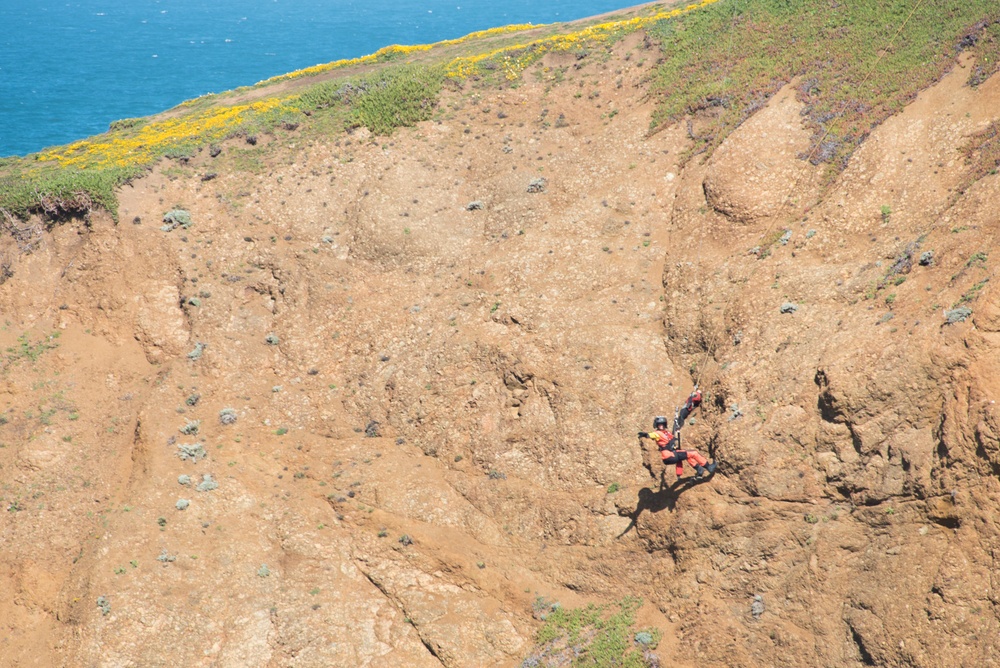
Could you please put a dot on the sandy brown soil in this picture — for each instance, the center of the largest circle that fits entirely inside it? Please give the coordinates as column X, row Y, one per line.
column 473, row 380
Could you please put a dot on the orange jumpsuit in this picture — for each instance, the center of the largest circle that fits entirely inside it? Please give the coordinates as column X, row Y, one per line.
column 666, row 441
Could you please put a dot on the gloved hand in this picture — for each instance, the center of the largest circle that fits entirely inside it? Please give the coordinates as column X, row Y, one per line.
column 643, row 434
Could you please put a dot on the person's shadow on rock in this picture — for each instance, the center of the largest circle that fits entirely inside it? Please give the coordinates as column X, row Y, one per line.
column 665, row 498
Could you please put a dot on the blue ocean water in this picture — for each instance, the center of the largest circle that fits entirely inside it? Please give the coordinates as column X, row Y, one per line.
column 67, row 69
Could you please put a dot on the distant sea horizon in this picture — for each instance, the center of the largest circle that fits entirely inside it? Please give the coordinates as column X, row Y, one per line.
column 69, row 68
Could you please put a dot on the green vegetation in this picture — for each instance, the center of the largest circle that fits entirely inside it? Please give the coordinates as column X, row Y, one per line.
column 75, row 179
column 27, row 350
column 593, row 637
column 722, row 64
column 971, row 294
column 977, row 259
column 59, row 192
column 398, row 97
column 126, row 124
column 982, row 152
column 767, row 242
column 721, row 61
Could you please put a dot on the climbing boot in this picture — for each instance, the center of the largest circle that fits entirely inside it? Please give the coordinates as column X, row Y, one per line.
column 711, row 468
column 700, row 472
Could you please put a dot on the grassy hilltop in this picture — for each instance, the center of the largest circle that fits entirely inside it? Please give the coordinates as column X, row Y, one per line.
column 720, row 60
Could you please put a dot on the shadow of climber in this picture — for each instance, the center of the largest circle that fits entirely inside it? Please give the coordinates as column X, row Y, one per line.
column 665, row 498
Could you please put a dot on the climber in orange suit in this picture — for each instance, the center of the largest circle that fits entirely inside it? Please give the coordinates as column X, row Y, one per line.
column 668, row 442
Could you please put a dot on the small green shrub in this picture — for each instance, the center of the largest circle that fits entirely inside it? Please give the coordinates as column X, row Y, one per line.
column 176, row 218
column 191, row 427
column 971, row 294
column 126, row 124
column 193, row 451
column 593, row 636
column 977, row 259
column 207, row 483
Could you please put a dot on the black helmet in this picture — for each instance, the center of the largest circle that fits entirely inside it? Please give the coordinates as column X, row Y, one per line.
column 659, row 422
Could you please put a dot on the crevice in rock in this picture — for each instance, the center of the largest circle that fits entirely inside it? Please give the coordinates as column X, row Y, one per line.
column 399, row 605
column 947, row 522
column 985, row 456
column 826, row 403
column 855, row 438
column 859, row 642
column 430, row 648
column 140, row 454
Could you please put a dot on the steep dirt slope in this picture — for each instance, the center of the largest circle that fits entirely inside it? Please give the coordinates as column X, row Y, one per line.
column 433, row 399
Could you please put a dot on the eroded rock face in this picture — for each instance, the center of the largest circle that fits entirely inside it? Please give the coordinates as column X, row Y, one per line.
column 749, row 178
column 864, row 407
column 437, row 412
column 161, row 327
